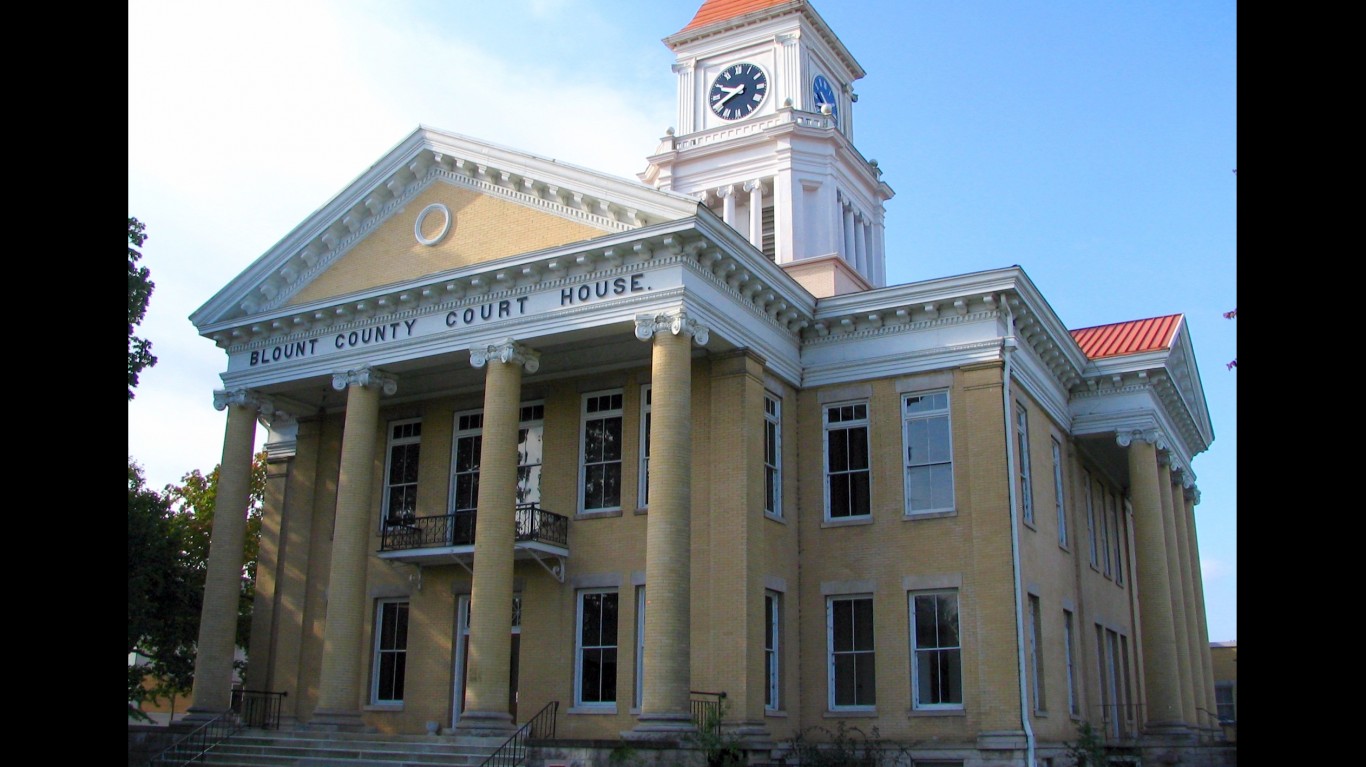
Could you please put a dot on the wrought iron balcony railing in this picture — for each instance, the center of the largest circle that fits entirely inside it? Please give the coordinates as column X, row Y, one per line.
column 533, row 524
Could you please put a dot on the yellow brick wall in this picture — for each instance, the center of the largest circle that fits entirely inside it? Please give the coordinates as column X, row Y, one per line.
column 483, row 228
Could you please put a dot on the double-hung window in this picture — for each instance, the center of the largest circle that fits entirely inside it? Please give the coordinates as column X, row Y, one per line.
column 929, row 452
column 1226, row 702
column 1116, row 520
column 646, row 397
column 466, row 451
column 846, row 461
column 597, row 648
column 1026, row 484
column 1088, row 494
column 852, row 679
column 600, row 461
column 1036, row 653
column 1106, row 512
column 772, row 648
column 391, row 652
column 936, row 651
column 400, row 471
column 1058, row 493
column 773, row 451
column 1068, row 648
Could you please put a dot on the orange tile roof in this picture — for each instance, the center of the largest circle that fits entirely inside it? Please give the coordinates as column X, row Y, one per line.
column 713, row 11
column 1131, row 337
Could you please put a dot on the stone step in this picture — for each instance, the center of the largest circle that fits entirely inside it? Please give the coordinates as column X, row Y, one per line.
column 303, row 748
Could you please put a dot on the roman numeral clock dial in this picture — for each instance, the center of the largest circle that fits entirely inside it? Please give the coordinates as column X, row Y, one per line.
column 737, row 91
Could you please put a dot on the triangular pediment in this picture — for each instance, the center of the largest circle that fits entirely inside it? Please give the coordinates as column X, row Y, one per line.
column 436, row 202
column 446, row 226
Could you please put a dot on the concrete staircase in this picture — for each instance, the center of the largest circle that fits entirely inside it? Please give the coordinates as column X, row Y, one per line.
column 305, row 748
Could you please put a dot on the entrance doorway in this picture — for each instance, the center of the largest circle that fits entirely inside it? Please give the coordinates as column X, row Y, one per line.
column 462, row 655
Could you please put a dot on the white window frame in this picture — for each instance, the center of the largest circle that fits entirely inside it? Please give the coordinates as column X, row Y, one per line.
column 646, row 398
column 1106, row 508
column 773, row 648
column 1226, row 700
column 413, row 437
column 869, row 653
column 851, row 422
column 580, row 649
column 585, row 418
column 916, row 650
column 1069, row 660
column 1058, row 496
column 927, row 417
column 1026, row 480
column 1036, row 662
column 640, row 647
column 401, row 612
column 1116, row 524
column 469, row 424
column 1089, row 494
column 773, row 455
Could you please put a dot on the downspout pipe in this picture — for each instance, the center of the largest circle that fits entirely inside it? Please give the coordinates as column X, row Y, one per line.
column 1008, row 345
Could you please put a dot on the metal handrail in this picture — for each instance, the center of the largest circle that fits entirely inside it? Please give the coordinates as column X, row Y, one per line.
column 533, row 523
column 248, row 708
column 514, row 749
column 191, row 747
column 707, row 713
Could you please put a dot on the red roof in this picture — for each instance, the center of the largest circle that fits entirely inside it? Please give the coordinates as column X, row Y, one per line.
column 713, row 11
column 1131, row 337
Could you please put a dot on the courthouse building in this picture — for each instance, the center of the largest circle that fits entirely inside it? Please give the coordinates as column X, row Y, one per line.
column 539, row 435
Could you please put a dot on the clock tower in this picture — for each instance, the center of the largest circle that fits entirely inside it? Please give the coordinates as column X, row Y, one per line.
column 765, row 139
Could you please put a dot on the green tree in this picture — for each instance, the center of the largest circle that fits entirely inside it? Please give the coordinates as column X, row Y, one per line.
column 140, row 287
column 164, row 598
column 168, row 555
column 194, row 501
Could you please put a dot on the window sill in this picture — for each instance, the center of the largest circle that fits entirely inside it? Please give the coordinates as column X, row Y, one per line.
column 866, row 519
column 914, row 515
column 642, row 511
column 1040, row 714
column 938, row 712
column 775, row 713
column 594, row 710
column 855, row 713
column 393, row 707
column 597, row 514
column 780, row 520
column 1030, row 525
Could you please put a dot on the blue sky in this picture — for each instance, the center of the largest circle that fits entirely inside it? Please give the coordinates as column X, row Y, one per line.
column 1091, row 143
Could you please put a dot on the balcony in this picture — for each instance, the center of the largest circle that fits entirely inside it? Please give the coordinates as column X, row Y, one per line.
column 444, row 539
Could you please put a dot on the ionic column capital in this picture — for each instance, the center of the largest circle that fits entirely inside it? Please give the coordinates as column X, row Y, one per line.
column 647, row 325
column 507, row 351
column 222, row 398
column 1151, row 436
column 367, row 376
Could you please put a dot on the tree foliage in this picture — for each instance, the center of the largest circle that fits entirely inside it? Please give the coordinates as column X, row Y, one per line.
column 164, row 598
column 168, row 555
column 140, row 287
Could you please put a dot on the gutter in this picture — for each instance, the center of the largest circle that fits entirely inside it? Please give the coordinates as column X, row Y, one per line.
column 1008, row 345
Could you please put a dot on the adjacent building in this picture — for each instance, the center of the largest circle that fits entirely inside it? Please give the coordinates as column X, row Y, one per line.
column 541, row 435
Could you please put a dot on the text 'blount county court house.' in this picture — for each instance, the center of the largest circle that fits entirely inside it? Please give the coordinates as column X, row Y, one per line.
column 542, row 435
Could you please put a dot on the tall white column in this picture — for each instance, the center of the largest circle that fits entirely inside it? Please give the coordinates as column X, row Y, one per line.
column 487, row 693
column 223, row 577
column 665, row 711
column 339, row 689
column 727, row 195
column 756, row 212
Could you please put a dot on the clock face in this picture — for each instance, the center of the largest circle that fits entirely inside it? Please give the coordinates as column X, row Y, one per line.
column 825, row 94
column 737, row 91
